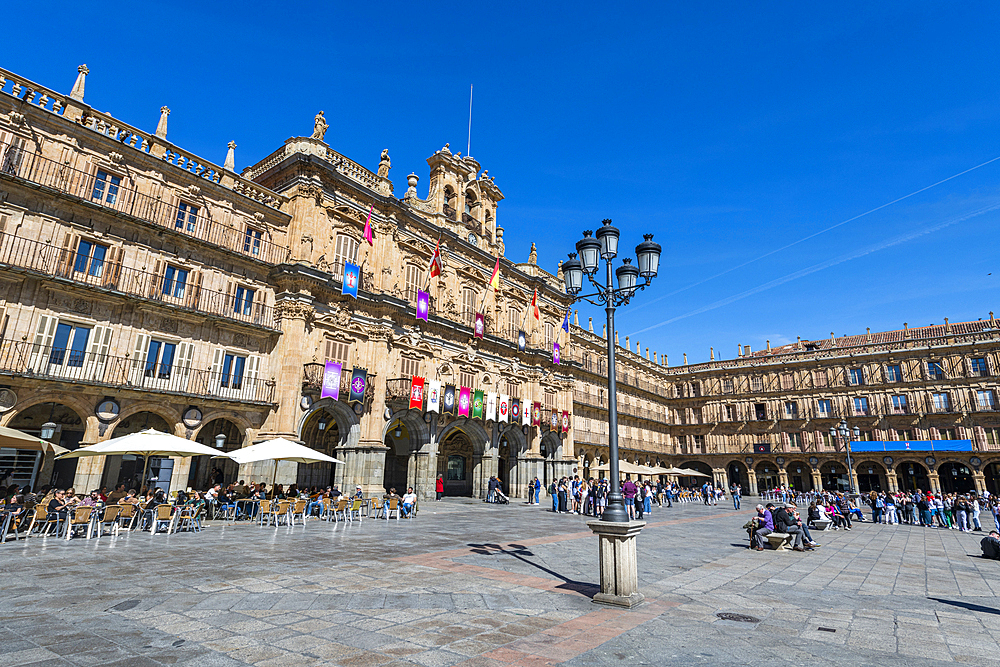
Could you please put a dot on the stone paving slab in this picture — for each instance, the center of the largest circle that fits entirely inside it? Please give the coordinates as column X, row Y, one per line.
column 480, row 585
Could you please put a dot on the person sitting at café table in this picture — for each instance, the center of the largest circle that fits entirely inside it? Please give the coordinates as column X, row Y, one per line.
column 409, row 501
column 316, row 500
column 392, row 495
column 58, row 507
column 358, row 493
column 115, row 496
column 72, row 500
column 278, row 492
column 93, row 499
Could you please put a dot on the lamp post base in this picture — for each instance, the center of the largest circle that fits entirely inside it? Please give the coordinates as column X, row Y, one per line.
column 619, row 572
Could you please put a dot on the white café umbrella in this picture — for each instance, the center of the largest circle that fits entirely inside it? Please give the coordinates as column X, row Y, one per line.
column 11, row 438
column 146, row 444
column 279, row 449
column 687, row 472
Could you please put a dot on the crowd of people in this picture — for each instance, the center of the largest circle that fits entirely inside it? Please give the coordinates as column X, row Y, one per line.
column 590, row 496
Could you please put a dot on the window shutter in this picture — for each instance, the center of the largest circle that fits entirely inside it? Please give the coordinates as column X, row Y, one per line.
column 113, row 266
column 194, row 292
column 139, row 357
column 185, row 355
column 156, row 286
column 42, row 344
column 4, row 219
column 97, row 353
column 250, row 377
column 67, row 256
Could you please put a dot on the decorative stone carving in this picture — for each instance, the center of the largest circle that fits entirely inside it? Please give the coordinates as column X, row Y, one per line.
column 258, row 216
column 319, row 126
column 115, row 158
column 194, row 190
column 169, row 325
column 533, row 255
column 292, row 310
column 314, row 191
column 81, row 306
column 385, row 164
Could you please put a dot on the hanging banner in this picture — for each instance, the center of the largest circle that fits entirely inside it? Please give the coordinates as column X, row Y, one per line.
column 554, row 421
column 515, row 411
column 331, row 380
column 536, row 414
column 423, row 305
column 464, row 401
column 416, row 393
column 359, row 382
column 565, row 422
column 526, row 413
column 448, row 399
column 503, row 409
column 352, row 276
column 491, row 407
column 433, row 396
column 480, row 328
column 477, row 404
column 556, row 358
column 522, row 341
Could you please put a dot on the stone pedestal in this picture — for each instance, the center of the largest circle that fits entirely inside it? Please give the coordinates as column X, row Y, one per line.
column 619, row 574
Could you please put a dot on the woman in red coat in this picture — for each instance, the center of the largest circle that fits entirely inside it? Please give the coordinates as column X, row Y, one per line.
column 439, row 487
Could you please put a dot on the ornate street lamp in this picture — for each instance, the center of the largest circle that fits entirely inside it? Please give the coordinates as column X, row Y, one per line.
column 220, row 441
column 619, row 582
column 844, row 431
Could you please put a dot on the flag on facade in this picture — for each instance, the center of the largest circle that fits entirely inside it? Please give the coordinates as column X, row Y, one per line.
column 565, row 422
column 464, row 401
column 554, row 421
column 477, row 404
column 495, row 278
column 491, row 407
column 433, row 396
column 480, row 328
column 352, row 276
column 416, row 393
column 503, row 409
column 436, row 266
column 448, row 400
column 522, row 341
column 556, row 357
column 515, row 411
column 369, row 236
column 423, row 305
column 534, row 304
column 331, row 380
column 359, row 382
column 565, row 324
column 526, row 413
column 536, row 414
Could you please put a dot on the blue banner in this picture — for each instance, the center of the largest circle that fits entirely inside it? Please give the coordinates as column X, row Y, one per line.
column 352, row 275
column 912, row 446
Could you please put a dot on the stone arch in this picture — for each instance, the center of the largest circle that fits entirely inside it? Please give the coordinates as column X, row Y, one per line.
column 168, row 413
column 991, row 474
column 799, row 475
column 912, row 475
column 200, row 467
column 834, row 476
column 417, row 436
column 477, row 435
column 737, row 473
column 956, row 477
column 464, row 458
column 348, row 426
column 82, row 408
column 72, row 430
column 242, row 422
column 871, row 476
column 766, row 473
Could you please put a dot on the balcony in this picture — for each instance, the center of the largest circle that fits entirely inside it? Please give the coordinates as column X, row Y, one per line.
column 23, row 359
column 46, row 260
column 397, row 389
column 450, row 213
column 83, row 186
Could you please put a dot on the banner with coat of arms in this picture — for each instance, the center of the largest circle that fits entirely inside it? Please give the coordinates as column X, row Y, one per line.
column 416, row 393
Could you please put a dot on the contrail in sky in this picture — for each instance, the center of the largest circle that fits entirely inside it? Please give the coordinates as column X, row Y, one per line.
column 822, row 231
column 823, row 265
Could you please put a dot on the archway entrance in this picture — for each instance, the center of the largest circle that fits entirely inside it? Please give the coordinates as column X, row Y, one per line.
column 206, row 471
column 322, row 433
column 767, row 476
column 127, row 469
column 397, row 457
column 695, row 481
column 912, row 476
column 871, row 477
column 834, row 476
column 992, row 474
column 457, row 463
column 956, row 478
column 69, row 432
column 737, row 474
column 799, row 476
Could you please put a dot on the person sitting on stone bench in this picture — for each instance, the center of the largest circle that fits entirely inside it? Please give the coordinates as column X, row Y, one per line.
column 991, row 545
column 785, row 521
column 760, row 527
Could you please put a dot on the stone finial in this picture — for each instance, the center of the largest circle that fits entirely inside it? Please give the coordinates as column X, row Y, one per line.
column 385, row 164
column 685, row 358
column 604, row 331
column 906, row 330
column 768, row 344
column 666, row 360
column 616, row 337
column 533, row 254
column 627, row 346
column 411, row 189
column 647, row 353
column 576, row 318
column 947, row 326
column 833, row 339
column 81, row 83
column 590, row 324
column 711, row 354
column 161, row 127
column 739, row 350
column 230, row 164
column 991, row 318
column 798, row 342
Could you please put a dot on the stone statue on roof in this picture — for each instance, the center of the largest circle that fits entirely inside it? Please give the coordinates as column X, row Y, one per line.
column 533, row 255
column 385, row 164
column 319, row 126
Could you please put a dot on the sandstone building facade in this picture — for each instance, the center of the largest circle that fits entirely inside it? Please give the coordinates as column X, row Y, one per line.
column 144, row 286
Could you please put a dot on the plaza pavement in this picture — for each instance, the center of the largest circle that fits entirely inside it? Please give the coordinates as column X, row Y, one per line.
column 496, row 586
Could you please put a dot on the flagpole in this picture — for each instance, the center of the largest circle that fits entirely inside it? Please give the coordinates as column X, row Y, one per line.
column 468, row 148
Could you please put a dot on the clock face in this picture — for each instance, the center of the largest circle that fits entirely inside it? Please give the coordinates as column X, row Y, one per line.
column 192, row 417
column 472, row 239
column 107, row 410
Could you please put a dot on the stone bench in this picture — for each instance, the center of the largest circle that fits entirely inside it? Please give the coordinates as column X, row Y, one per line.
column 779, row 541
column 822, row 524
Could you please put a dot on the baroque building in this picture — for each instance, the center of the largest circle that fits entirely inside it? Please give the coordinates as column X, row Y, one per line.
column 143, row 286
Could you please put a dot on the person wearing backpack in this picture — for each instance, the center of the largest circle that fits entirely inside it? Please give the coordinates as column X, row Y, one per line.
column 555, row 498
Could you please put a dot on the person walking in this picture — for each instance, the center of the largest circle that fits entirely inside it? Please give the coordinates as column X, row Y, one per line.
column 439, row 487
column 536, row 489
column 736, row 497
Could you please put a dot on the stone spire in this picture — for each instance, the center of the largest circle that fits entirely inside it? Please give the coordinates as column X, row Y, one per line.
column 740, row 350
column 230, row 157
column 711, row 354
column 665, row 359
column 590, row 324
column 576, row 318
column 616, row 337
column 604, row 331
column 533, row 255
column 647, row 353
column 768, row 344
column 161, row 127
column 81, row 83
column 627, row 346
column 685, row 358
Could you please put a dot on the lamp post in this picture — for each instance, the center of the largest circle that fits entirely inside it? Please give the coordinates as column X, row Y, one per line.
column 844, row 431
column 619, row 580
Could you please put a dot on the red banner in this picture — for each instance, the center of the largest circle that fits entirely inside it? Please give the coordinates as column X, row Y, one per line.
column 565, row 422
column 536, row 414
column 417, row 393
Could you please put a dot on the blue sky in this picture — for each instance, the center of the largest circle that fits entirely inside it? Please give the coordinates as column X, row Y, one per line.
column 728, row 130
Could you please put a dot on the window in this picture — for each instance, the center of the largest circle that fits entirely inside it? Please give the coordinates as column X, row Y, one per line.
column 90, row 258
column 824, row 407
column 791, row 410
column 795, row 440
column 826, row 439
column 941, row 403
column 252, row 241
column 414, row 281
column 857, row 376
column 787, row 381
column 730, row 413
column 756, row 384
column 904, row 434
column 513, row 323
column 187, row 217
column 760, row 411
column 893, row 373
column 946, row 434
column 456, row 468
column 549, row 401
column 979, row 367
column 233, row 366
column 695, row 389
column 466, row 379
column 934, row 370
column 861, row 405
column 699, row 443
column 243, row 300
column 409, row 367
column 992, row 435
column 106, row 187
column 69, row 345
column 865, row 436
column 985, row 399
column 820, row 378
column 728, row 386
column 337, row 351
column 174, row 281
column 345, row 251
column 513, row 389
column 899, row 405
column 468, row 306
column 550, row 337
column 160, row 359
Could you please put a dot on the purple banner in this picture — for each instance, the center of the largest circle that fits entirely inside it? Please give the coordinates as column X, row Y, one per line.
column 331, row 380
column 423, row 305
